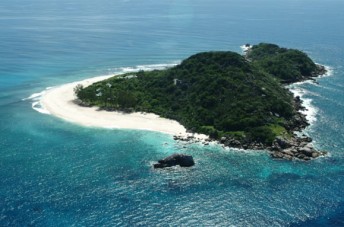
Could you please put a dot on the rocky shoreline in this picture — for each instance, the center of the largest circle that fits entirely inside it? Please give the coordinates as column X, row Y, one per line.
column 293, row 148
column 288, row 147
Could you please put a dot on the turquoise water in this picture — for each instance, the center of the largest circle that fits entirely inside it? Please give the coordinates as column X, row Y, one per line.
column 54, row 173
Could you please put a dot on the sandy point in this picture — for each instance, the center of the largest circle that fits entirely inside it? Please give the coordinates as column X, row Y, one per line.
column 60, row 102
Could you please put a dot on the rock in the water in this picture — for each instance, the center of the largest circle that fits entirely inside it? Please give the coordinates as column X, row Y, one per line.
column 175, row 159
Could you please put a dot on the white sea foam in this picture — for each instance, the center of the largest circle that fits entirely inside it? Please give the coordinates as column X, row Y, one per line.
column 245, row 48
column 310, row 110
column 145, row 67
column 38, row 107
column 329, row 71
column 35, row 98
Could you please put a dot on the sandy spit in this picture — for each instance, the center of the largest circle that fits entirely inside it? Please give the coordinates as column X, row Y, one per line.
column 60, row 102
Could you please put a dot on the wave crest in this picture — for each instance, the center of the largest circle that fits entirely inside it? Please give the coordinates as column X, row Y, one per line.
column 35, row 99
column 310, row 110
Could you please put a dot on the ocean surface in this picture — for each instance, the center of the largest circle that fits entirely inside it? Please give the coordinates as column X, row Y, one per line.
column 55, row 173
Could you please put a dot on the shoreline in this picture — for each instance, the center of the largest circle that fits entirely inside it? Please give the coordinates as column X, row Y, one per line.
column 60, row 102
column 300, row 145
column 309, row 110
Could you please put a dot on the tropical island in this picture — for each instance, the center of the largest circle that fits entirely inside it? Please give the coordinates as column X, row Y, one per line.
column 239, row 100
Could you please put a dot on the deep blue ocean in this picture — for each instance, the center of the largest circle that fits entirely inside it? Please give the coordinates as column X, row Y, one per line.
column 55, row 173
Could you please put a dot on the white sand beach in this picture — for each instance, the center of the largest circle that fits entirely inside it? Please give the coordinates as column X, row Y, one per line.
column 59, row 101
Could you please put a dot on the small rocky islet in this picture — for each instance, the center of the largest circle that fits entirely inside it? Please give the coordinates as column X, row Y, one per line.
column 240, row 101
column 182, row 160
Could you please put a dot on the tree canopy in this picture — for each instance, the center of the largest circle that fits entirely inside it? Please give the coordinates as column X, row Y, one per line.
column 219, row 93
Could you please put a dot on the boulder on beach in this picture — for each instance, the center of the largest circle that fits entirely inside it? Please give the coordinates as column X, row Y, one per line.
column 175, row 159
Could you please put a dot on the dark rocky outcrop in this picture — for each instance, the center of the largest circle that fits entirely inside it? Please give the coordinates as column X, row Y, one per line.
column 235, row 143
column 321, row 70
column 175, row 159
column 295, row 148
column 291, row 148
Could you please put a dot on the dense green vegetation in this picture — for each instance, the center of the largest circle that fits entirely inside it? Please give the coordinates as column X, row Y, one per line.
column 288, row 65
column 217, row 93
